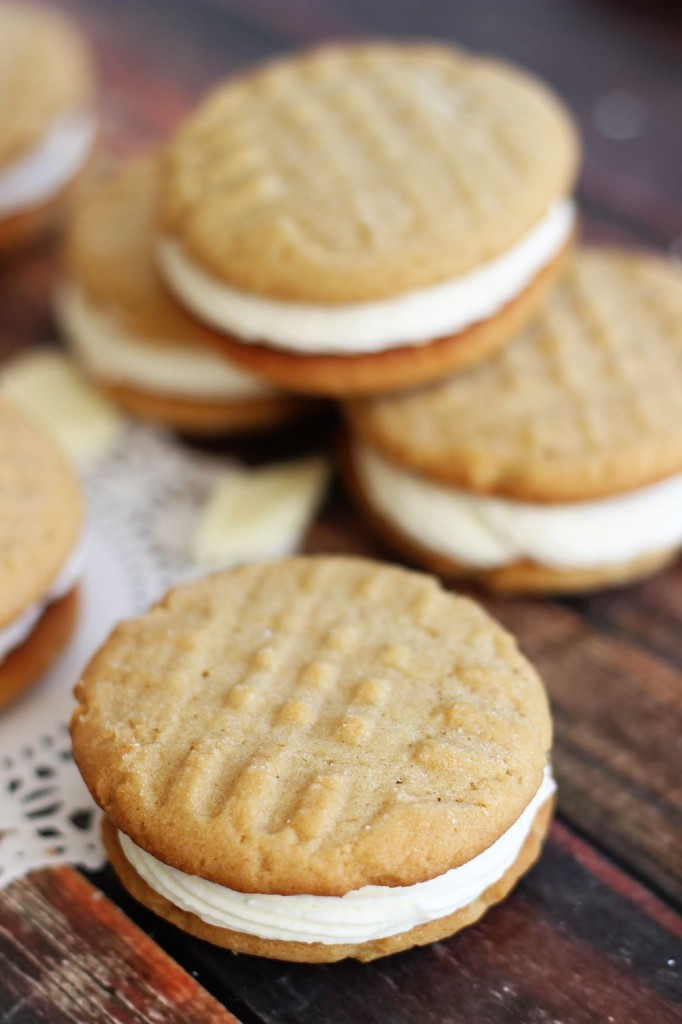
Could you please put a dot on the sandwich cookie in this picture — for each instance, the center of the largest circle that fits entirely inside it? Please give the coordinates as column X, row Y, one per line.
column 368, row 217
column 41, row 552
column 557, row 465
column 129, row 335
column 49, row 123
column 316, row 758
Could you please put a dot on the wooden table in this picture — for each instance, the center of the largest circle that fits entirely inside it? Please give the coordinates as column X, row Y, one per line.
column 594, row 934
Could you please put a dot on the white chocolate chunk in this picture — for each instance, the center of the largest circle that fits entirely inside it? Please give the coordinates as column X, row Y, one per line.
column 46, row 386
column 255, row 514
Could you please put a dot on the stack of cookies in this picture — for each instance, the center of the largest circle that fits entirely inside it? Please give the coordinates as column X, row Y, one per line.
column 366, row 218
column 131, row 337
column 354, row 220
column 49, row 122
column 557, row 464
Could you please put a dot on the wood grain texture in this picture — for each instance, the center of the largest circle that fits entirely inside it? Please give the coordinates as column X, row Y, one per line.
column 69, row 955
column 581, row 941
column 618, row 722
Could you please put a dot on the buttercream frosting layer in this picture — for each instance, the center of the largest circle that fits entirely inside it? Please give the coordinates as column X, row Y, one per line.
column 39, row 174
column 413, row 318
column 486, row 533
column 111, row 352
column 372, row 912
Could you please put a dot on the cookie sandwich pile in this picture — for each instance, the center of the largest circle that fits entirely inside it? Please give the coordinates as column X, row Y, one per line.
column 42, row 552
column 557, row 465
column 316, row 758
column 131, row 338
column 49, row 120
column 364, row 218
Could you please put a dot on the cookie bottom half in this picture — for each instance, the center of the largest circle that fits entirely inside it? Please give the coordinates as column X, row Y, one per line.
column 203, row 418
column 397, row 368
column 26, row 663
column 522, row 577
column 20, row 231
column 317, row 952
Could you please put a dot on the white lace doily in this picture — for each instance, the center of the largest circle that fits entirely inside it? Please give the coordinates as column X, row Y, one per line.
column 143, row 499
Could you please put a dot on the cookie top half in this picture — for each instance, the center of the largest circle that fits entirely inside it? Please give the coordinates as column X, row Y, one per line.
column 109, row 255
column 45, row 71
column 312, row 726
column 41, row 513
column 585, row 403
column 358, row 172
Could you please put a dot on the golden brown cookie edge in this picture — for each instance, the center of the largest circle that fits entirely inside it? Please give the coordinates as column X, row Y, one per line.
column 26, row 663
column 339, row 376
column 211, row 417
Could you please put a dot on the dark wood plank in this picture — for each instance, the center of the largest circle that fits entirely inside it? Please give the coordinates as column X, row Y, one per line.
column 618, row 721
column 650, row 614
column 579, row 942
column 69, row 955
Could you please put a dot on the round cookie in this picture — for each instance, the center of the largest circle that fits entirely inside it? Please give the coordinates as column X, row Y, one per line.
column 49, row 122
column 384, row 254
column 301, row 730
column 557, row 465
column 131, row 337
column 41, row 551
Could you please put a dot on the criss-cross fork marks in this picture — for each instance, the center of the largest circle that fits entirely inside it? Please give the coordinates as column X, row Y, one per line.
column 586, row 395
column 372, row 160
column 305, row 700
column 604, row 350
column 394, row 119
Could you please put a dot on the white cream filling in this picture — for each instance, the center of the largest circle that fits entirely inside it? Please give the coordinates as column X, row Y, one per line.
column 488, row 532
column 14, row 634
column 56, row 159
column 372, row 912
column 414, row 318
column 116, row 355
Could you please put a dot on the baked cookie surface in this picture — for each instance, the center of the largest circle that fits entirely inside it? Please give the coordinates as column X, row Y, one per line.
column 585, row 403
column 45, row 71
column 331, row 177
column 41, row 513
column 132, row 338
column 312, row 726
column 109, row 255
column 49, row 120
